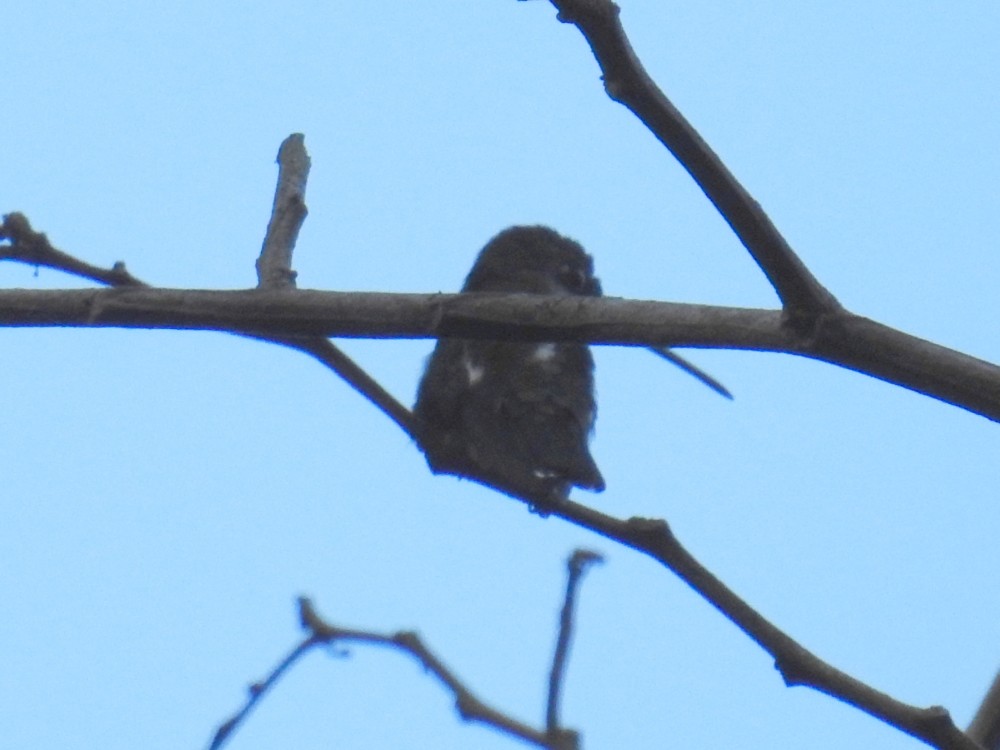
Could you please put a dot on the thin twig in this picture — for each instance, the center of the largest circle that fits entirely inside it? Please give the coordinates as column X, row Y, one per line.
column 257, row 691
column 577, row 564
column 34, row 249
column 334, row 357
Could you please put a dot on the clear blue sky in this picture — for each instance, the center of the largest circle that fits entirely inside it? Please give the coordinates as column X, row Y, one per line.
column 165, row 496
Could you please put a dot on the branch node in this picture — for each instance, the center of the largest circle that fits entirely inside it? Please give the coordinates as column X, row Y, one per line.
column 469, row 707
column 563, row 739
column 309, row 619
column 790, row 671
column 408, row 639
column 650, row 532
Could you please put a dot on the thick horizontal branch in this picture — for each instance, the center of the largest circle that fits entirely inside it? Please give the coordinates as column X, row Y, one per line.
column 382, row 315
column 842, row 338
column 866, row 346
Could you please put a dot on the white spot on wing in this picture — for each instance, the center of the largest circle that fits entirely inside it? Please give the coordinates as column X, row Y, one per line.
column 474, row 371
column 544, row 352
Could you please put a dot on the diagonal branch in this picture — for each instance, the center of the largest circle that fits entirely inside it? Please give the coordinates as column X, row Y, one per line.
column 797, row 665
column 34, row 249
column 627, row 82
column 327, row 353
column 258, row 690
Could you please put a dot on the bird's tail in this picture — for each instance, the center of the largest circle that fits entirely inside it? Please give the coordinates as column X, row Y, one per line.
column 689, row 368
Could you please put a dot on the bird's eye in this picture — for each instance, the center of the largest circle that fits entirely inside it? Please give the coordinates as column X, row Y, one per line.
column 573, row 278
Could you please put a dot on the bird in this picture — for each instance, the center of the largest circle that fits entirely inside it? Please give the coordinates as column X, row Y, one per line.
column 515, row 415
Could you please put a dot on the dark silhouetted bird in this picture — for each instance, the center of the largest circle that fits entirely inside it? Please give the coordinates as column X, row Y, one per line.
column 515, row 415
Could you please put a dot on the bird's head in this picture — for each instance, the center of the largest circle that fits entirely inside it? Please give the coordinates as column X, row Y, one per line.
column 536, row 260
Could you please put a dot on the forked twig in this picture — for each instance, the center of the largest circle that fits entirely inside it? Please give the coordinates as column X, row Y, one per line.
column 319, row 632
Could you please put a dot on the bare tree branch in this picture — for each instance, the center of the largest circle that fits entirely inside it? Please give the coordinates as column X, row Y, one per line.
column 25, row 245
column 627, row 82
column 577, row 564
column 470, row 708
column 274, row 266
column 258, row 690
column 274, row 272
column 811, row 324
column 797, row 665
column 848, row 340
column 835, row 335
column 334, row 357
column 861, row 344
column 33, row 248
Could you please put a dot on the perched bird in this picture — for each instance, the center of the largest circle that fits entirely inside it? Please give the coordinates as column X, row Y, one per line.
column 515, row 415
